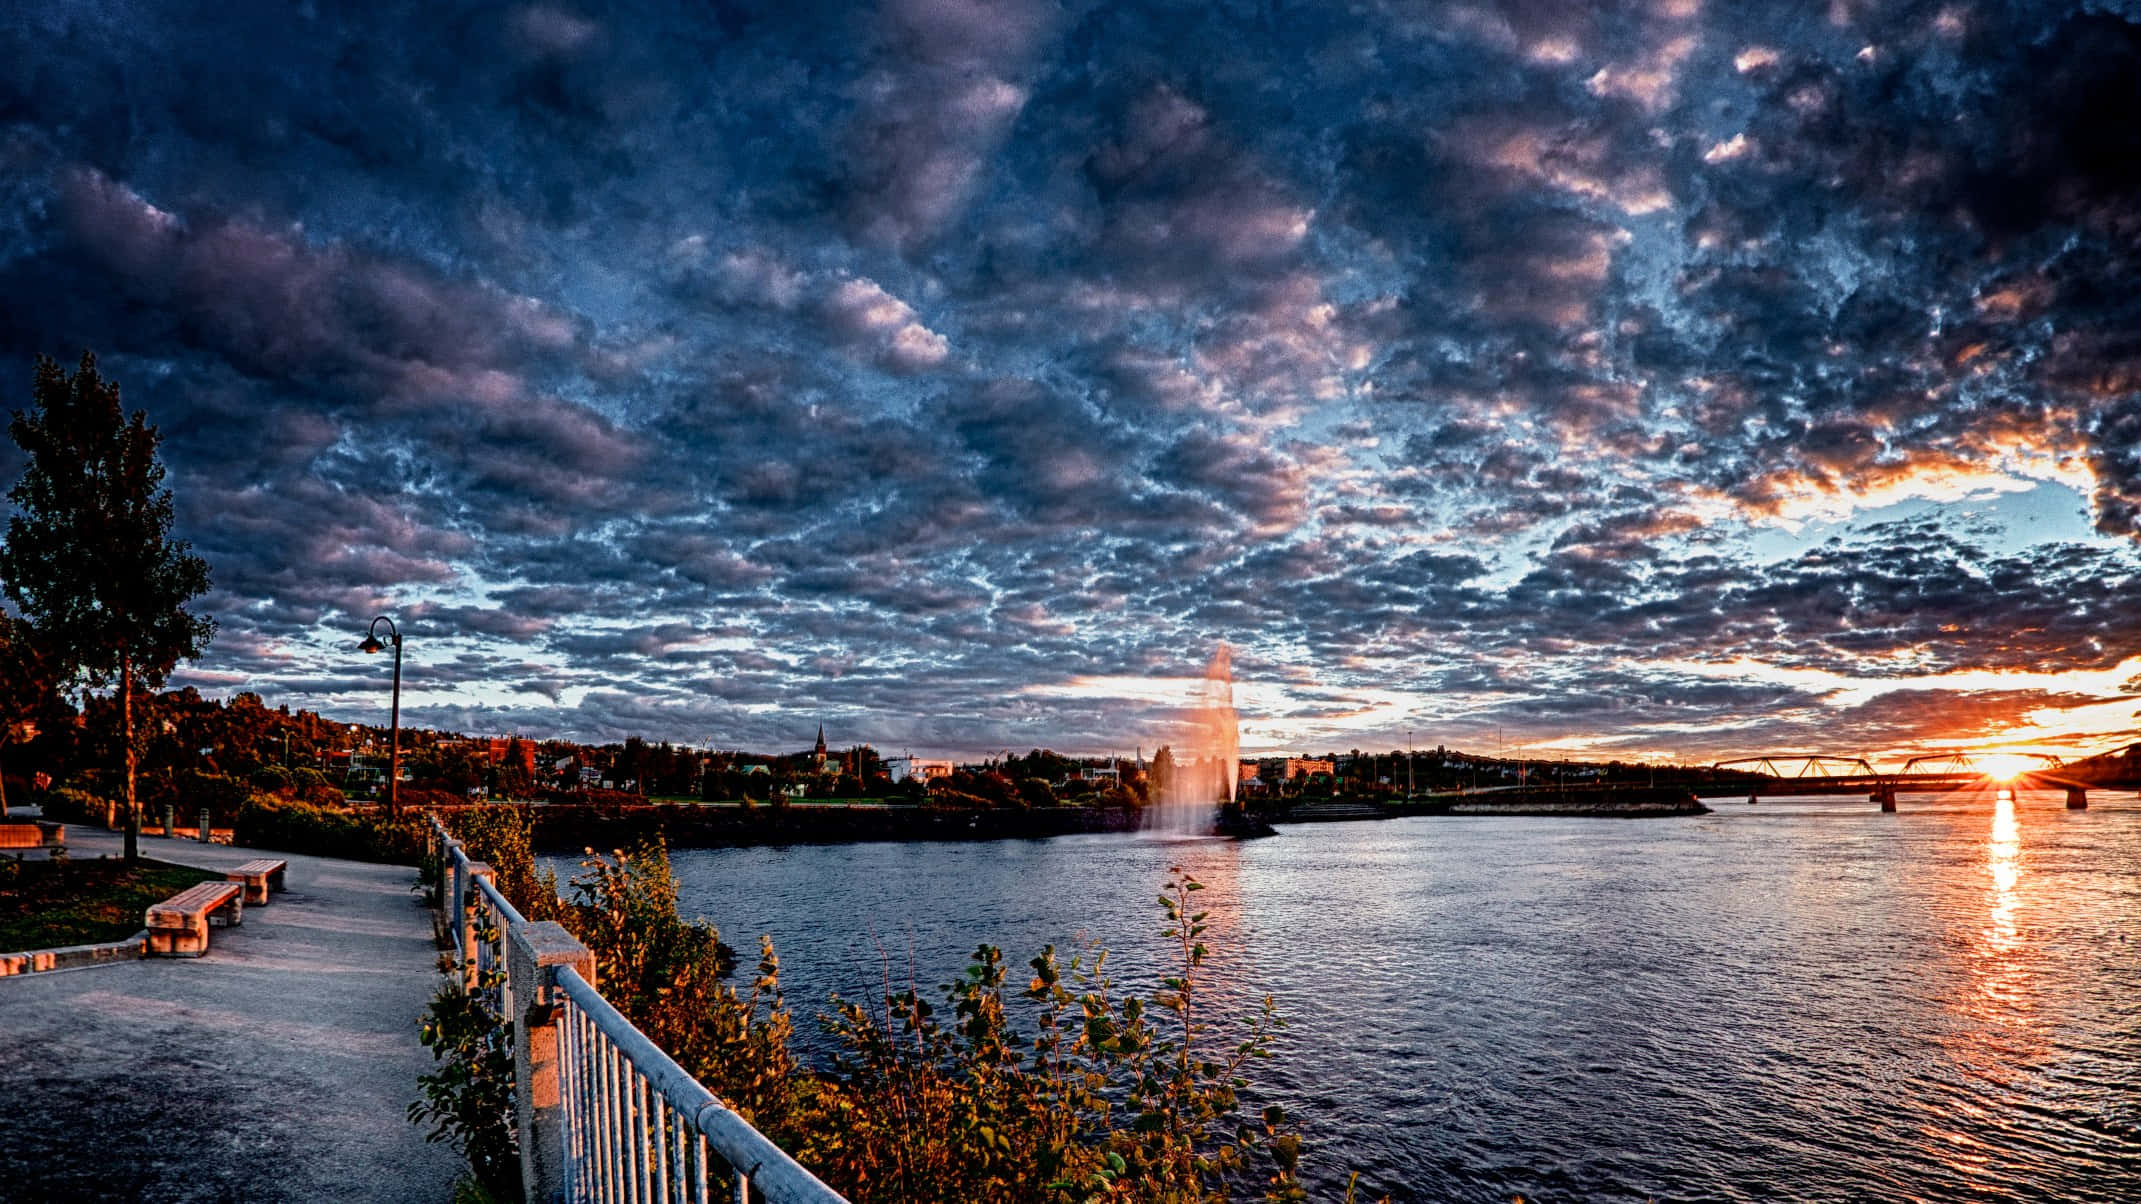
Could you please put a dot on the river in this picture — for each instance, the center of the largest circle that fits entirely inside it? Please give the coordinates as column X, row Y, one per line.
column 1801, row 999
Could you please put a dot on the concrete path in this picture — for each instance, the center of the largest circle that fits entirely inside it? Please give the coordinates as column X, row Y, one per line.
column 279, row 1067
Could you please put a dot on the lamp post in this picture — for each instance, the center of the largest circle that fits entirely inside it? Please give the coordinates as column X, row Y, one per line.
column 372, row 644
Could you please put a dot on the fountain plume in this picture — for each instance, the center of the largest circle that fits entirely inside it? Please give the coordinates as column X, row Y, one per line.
column 1189, row 786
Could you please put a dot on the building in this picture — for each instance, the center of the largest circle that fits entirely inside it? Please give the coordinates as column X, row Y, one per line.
column 1286, row 769
column 913, row 768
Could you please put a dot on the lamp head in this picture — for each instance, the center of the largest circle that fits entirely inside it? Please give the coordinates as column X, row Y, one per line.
column 371, row 644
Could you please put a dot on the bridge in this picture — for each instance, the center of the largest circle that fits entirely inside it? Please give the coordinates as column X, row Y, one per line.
column 1787, row 774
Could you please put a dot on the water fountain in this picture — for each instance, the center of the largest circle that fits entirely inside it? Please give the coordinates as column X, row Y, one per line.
column 1193, row 790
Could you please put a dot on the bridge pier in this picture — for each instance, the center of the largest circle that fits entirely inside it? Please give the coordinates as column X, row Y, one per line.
column 1884, row 795
column 2077, row 799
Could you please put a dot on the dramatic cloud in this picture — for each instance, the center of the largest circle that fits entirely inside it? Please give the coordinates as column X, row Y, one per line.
column 1634, row 378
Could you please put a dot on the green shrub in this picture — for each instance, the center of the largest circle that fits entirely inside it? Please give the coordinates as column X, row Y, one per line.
column 191, row 790
column 1115, row 1098
column 76, row 806
column 1106, row 1097
column 271, row 821
column 468, row 1100
column 313, row 786
column 503, row 837
column 272, row 778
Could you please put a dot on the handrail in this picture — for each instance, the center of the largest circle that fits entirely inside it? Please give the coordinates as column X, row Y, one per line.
column 636, row 1125
column 497, row 901
column 767, row 1167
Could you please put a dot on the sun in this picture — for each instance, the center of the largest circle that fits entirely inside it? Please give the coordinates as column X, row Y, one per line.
column 2004, row 767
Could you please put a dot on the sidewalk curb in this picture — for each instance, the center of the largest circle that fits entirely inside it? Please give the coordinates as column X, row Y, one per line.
column 73, row 957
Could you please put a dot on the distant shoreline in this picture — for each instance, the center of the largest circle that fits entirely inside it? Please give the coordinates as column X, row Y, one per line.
column 566, row 827
column 1623, row 802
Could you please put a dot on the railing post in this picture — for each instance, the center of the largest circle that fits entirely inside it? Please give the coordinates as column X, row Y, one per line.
column 533, row 950
column 465, row 887
column 454, row 879
column 436, row 844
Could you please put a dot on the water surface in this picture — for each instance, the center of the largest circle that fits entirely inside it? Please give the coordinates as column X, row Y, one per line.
column 1802, row 999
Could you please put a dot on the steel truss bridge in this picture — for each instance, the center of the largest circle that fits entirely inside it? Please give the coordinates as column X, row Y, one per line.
column 1785, row 774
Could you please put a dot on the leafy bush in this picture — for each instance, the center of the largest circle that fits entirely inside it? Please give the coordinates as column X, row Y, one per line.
column 190, row 790
column 924, row 1112
column 273, row 822
column 665, row 973
column 272, row 778
column 503, row 837
column 1107, row 1097
column 76, row 806
column 469, row 1098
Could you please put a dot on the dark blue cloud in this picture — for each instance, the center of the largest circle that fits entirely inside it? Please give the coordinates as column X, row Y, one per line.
column 1615, row 374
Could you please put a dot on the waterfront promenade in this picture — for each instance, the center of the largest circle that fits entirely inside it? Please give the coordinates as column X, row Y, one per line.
column 279, row 1067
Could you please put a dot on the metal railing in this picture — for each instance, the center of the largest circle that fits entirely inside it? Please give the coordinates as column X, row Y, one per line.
column 638, row 1128
column 622, row 1122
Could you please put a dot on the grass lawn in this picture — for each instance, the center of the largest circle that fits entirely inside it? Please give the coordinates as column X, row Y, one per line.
column 47, row 904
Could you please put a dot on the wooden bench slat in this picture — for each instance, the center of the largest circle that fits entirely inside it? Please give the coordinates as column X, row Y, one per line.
column 260, row 876
column 178, row 926
column 202, row 896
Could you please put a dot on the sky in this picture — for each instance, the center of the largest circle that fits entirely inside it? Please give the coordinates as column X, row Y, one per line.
column 1619, row 380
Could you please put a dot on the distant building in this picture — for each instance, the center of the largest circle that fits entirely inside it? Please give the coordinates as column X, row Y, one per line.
column 1096, row 771
column 912, row 768
column 1286, row 769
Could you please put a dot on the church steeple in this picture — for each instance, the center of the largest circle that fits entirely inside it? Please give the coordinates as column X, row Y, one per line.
column 820, row 750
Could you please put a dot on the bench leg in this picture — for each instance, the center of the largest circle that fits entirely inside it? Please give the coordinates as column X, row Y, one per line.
column 190, row 941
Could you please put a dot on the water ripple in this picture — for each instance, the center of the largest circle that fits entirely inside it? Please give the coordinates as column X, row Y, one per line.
column 1808, row 1000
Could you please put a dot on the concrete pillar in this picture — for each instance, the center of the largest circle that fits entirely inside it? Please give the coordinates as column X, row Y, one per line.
column 442, row 890
column 2077, row 799
column 533, row 951
column 170, row 821
column 1886, row 796
column 204, row 825
column 465, row 918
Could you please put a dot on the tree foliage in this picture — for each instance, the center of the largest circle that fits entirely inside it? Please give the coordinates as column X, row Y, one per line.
column 89, row 556
column 26, row 686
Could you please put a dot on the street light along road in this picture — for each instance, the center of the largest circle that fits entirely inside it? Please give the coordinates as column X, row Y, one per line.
column 370, row 645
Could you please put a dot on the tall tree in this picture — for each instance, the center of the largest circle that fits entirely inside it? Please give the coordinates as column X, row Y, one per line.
column 25, row 687
column 89, row 556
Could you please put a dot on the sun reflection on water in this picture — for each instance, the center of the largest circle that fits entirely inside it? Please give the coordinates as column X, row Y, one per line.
column 2003, row 857
column 2005, row 956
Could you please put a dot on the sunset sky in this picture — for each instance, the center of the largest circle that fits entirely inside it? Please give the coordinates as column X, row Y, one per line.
column 1668, row 379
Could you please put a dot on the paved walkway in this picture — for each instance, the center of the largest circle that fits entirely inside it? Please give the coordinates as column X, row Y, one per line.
column 279, row 1067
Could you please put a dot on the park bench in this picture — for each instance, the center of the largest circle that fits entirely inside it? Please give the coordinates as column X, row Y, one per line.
column 178, row 926
column 259, row 876
column 38, row 835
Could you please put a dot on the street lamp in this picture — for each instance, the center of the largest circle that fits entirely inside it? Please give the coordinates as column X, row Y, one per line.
column 372, row 644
